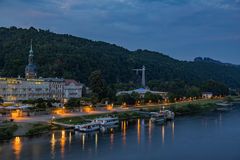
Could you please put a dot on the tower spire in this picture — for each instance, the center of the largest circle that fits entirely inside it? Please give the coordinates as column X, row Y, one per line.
column 30, row 70
column 31, row 50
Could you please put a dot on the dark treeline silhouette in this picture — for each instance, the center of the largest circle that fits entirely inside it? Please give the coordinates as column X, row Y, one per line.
column 62, row 55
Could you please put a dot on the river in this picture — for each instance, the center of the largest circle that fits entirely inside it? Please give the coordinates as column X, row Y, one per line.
column 203, row 137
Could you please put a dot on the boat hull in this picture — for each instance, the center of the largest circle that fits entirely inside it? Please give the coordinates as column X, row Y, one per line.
column 87, row 127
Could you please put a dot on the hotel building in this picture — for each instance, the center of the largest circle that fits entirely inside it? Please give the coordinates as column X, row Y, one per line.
column 31, row 87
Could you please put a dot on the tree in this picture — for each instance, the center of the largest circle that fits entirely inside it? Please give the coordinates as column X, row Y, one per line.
column 135, row 96
column 193, row 92
column 97, row 84
column 1, row 100
column 216, row 88
column 40, row 103
column 148, row 97
column 152, row 97
column 130, row 99
column 111, row 93
column 73, row 102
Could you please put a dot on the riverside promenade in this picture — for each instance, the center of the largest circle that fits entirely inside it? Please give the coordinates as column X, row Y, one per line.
column 47, row 118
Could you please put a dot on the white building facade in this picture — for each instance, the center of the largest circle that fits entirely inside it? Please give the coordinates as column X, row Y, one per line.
column 142, row 92
column 207, row 95
column 56, row 88
column 16, row 89
column 72, row 89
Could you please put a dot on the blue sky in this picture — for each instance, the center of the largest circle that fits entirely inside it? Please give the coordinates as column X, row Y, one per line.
column 183, row 29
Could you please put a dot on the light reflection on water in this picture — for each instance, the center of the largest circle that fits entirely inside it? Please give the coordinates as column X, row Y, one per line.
column 83, row 141
column 62, row 142
column 137, row 134
column 59, row 140
column 173, row 131
column 96, row 141
column 17, row 147
column 124, row 131
column 150, row 131
column 112, row 139
column 163, row 134
column 70, row 138
column 53, row 143
column 139, row 130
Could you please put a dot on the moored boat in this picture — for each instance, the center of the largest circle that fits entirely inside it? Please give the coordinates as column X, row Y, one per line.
column 157, row 117
column 107, row 121
column 89, row 127
column 168, row 115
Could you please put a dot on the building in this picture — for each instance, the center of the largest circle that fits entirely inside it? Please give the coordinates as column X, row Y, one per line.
column 207, row 95
column 72, row 89
column 142, row 92
column 31, row 87
column 31, row 69
column 16, row 89
column 56, row 88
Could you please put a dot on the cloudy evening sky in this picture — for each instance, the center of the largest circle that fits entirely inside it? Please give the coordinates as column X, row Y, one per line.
column 182, row 29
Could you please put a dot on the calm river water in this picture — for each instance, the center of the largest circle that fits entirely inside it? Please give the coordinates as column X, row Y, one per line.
column 204, row 137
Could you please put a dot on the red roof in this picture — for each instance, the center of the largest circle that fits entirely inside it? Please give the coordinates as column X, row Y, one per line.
column 69, row 81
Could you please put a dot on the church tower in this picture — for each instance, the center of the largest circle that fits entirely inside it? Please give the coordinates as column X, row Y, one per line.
column 31, row 69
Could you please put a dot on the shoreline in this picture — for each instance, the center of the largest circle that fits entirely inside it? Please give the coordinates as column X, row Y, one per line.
column 41, row 127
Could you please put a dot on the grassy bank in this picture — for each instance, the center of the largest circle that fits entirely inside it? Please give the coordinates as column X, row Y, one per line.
column 180, row 108
column 195, row 107
column 38, row 128
column 198, row 102
column 7, row 130
column 84, row 119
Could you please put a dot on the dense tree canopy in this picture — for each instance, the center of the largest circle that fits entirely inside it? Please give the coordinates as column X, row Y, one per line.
column 73, row 102
column 215, row 87
column 58, row 55
column 1, row 100
column 97, row 84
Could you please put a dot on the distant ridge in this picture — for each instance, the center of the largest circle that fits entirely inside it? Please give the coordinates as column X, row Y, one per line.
column 63, row 55
column 209, row 60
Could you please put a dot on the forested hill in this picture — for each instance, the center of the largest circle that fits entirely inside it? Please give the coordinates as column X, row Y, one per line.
column 62, row 55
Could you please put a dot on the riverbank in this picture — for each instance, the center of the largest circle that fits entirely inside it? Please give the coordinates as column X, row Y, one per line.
column 7, row 130
column 31, row 128
column 180, row 108
column 127, row 115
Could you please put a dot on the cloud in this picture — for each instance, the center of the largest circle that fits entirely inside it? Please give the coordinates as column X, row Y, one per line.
column 179, row 27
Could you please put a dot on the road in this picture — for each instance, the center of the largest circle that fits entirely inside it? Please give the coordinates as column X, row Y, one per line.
column 47, row 118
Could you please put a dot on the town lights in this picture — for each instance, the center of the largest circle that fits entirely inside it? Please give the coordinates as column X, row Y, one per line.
column 88, row 109
column 109, row 107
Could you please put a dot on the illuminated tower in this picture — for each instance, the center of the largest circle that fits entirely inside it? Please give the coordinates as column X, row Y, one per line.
column 31, row 69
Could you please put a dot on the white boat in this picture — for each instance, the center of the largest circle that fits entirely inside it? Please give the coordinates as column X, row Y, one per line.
column 168, row 115
column 89, row 127
column 107, row 121
column 157, row 118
